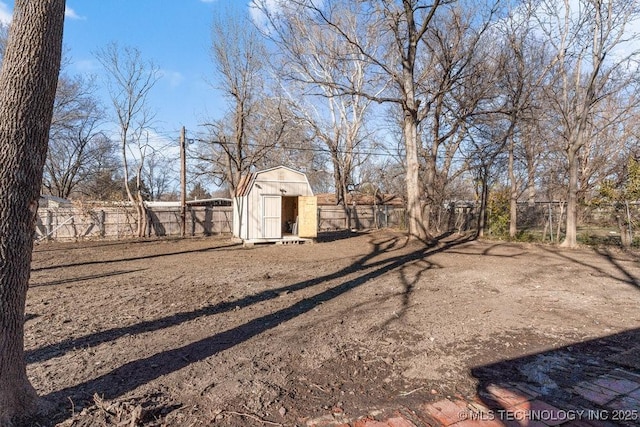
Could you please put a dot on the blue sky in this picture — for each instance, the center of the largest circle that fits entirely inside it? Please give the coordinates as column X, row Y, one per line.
column 175, row 34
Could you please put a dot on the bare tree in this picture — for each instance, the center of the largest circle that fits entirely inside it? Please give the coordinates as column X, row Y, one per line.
column 131, row 79
column 156, row 174
column 4, row 33
column 333, row 108
column 588, row 37
column 524, row 64
column 27, row 90
column 105, row 181
column 395, row 31
column 458, row 85
column 239, row 58
column 75, row 141
column 485, row 155
column 277, row 125
column 622, row 186
column 259, row 129
column 609, row 134
column 275, row 135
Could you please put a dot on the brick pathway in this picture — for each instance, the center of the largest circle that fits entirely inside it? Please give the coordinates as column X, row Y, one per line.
column 575, row 387
column 615, row 400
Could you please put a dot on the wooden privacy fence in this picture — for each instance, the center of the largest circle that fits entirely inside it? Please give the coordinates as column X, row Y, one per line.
column 74, row 223
column 543, row 220
column 333, row 217
column 119, row 222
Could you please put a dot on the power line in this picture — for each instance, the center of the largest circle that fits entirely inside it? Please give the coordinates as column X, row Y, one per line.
column 313, row 149
column 363, row 152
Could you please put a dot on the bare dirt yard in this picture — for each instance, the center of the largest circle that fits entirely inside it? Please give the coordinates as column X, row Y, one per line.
column 204, row 332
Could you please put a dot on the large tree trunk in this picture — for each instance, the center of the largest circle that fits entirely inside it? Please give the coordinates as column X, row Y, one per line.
column 27, row 89
column 513, row 193
column 141, row 209
column 531, row 186
column 429, row 185
column 127, row 184
column 570, row 239
column 340, row 184
column 417, row 229
column 484, row 199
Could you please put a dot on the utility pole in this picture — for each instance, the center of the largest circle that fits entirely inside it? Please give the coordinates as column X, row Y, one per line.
column 183, row 183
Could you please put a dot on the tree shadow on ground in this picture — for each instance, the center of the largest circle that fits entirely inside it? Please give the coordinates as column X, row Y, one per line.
column 91, row 244
column 138, row 258
column 332, row 236
column 58, row 349
column 591, row 381
column 92, row 340
column 412, row 272
column 609, row 256
column 489, row 249
column 87, row 277
column 605, row 254
column 139, row 372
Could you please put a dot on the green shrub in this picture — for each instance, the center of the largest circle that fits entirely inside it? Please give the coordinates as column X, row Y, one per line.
column 498, row 212
column 528, row 236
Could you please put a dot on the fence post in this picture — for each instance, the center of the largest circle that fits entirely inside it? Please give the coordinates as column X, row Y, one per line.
column 193, row 221
column 102, row 219
column 375, row 216
column 386, row 216
column 49, row 225
column 629, row 221
column 550, row 223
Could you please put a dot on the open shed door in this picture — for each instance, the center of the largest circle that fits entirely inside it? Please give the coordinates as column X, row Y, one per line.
column 271, row 214
column 307, row 217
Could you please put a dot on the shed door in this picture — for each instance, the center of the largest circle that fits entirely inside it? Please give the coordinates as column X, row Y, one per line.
column 308, row 216
column 271, row 213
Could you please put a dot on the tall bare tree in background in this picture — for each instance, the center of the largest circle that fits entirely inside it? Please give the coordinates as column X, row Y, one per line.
column 457, row 85
column 589, row 39
column 155, row 174
column 324, row 78
column 395, row 31
column 290, row 140
column 524, row 67
column 4, row 33
column 76, row 144
column 239, row 59
column 131, row 79
column 27, row 90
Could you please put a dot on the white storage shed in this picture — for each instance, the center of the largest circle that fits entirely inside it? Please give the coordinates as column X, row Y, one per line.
column 275, row 205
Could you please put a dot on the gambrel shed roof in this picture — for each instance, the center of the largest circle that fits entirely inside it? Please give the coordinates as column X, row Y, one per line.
column 247, row 181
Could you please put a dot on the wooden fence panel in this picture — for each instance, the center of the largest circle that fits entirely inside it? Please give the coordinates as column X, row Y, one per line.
column 119, row 222
column 543, row 220
column 331, row 218
column 74, row 223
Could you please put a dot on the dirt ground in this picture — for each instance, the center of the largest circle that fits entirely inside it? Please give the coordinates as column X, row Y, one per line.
column 205, row 332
